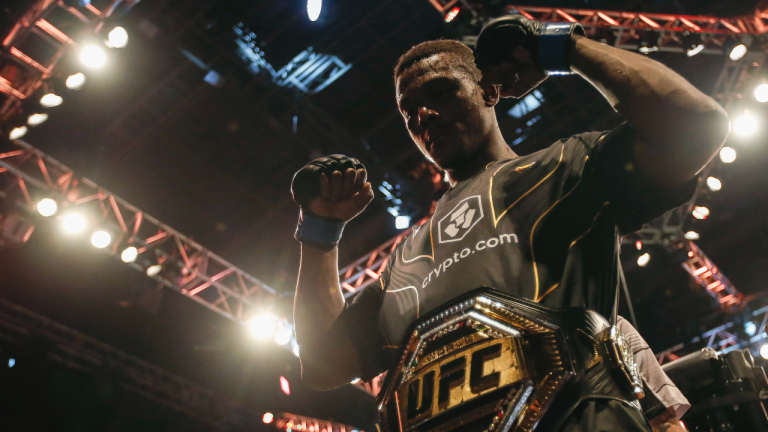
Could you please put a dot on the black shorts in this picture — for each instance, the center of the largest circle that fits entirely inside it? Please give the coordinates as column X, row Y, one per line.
column 606, row 415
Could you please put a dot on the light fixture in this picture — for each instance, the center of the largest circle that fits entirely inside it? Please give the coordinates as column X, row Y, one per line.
column 75, row 81
column 267, row 418
column 47, row 207
column 93, row 56
column 643, row 259
column 283, row 335
column 314, row 7
column 692, row 44
column 118, row 37
column 745, row 124
column 285, row 386
column 73, row 223
column 727, row 155
column 735, row 49
column 750, row 328
column 37, row 119
column 154, row 270
column 51, row 99
column 714, row 184
column 649, row 43
column 17, row 132
column 451, row 15
column 11, row 362
column 761, row 93
column 700, row 212
column 101, row 239
column 691, row 235
column 402, row 222
column 262, row 326
column 764, row 351
column 129, row 254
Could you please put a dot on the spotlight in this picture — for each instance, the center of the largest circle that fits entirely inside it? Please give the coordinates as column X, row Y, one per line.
column 17, row 132
column 745, row 125
column 118, row 37
column 101, row 239
column 700, row 212
column 402, row 222
column 727, row 155
column 74, row 223
column 314, row 7
column 761, row 93
column 50, row 100
column 47, row 207
column 154, row 270
column 691, row 235
column 764, row 351
column 283, row 335
column 649, row 43
column 37, row 119
column 262, row 326
column 643, row 259
column 692, row 44
column 735, row 49
column 129, row 254
column 285, row 386
column 714, row 184
column 75, row 81
column 750, row 328
column 11, row 362
column 93, row 56
column 267, row 418
column 452, row 14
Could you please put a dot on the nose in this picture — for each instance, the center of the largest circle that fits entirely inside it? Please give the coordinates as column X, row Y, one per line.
column 426, row 115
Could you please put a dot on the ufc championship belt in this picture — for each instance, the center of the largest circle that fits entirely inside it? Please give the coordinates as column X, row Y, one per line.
column 491, row 362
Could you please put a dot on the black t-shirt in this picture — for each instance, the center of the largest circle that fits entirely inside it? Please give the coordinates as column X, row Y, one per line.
column 544, row 226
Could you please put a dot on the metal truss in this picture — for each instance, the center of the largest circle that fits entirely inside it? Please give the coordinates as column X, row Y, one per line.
column 27, row 175
column 78, row 351
column 293, row 422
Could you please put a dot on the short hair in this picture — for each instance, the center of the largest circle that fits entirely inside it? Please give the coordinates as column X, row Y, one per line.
column 464, row 55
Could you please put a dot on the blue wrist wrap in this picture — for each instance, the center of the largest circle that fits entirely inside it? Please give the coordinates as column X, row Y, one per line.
column 554, row 47
column 318, row 230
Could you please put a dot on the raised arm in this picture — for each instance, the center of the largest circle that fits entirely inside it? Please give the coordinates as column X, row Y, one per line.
column 328, row 359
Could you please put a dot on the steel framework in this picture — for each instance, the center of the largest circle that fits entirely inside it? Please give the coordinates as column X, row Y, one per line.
column 27, row 175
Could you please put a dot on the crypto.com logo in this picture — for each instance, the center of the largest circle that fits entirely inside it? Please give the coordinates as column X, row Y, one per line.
column 457, row 224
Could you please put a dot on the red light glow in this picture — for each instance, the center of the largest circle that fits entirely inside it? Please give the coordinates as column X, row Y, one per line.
column 452, row 14
column 639, row 245
column 284, row 386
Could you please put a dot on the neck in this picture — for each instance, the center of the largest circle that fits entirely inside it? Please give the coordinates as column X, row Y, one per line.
column 494, row 149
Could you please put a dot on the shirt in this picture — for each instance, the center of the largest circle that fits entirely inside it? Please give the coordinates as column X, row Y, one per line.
column 545, row 226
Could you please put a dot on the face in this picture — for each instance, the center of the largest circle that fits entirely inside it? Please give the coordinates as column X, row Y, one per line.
column 445, row 111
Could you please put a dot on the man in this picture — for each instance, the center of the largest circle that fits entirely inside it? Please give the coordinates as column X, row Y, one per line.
column 543, row 227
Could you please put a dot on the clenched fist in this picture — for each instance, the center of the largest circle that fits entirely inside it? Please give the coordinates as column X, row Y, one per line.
column 332, row 187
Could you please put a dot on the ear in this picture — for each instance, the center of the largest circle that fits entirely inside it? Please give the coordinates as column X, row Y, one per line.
column 491, row 93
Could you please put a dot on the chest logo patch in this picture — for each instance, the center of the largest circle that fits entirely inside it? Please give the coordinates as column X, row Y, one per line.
column 459, row 222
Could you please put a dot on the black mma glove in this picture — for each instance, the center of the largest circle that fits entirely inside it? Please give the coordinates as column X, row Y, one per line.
column 547, row 43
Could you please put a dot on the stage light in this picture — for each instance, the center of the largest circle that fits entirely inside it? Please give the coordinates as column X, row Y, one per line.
column 700, row 212
column 761, row 93
column 296, row 350
column 402, row 222
column 692, row 44
column 262, row 326
column 17, row 132
column 691, row 235
column 727, row 155
column 314, row 7
column 745, row 124
column 649, row 43
column 75, row 81
column 118, row 37
column 267, row 418
column 714, row 184
column 93, row 56
column 74, row 223
column 750, row 328
column 737, row 51
column 643, row 259
column 764, row 351
column 285, row 386
column 11, row 362
column 50, row 100
column 154, row 270
column 47, row 207
column 129, row 254
column 37, row 119
column 101, row 239
column 283, row 335
column 638, row 245
column 452, row 14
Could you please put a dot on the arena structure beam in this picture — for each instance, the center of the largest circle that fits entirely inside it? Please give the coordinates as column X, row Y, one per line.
column 80, row 352
column 27, row 175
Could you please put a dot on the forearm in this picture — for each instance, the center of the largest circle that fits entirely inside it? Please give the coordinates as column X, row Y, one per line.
column 319, row 300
